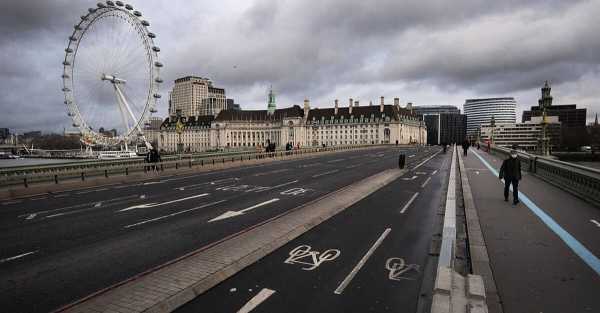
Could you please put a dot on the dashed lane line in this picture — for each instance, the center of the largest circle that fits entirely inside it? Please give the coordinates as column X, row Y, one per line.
column 151, row 205
column 17, row 256
column 173, row 214
column 425, row 183
column 409, row 203
column 263, row 295
column 361, row 263
column 326, row 173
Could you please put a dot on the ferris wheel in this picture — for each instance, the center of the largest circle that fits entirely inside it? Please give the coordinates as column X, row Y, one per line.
column 111, row 75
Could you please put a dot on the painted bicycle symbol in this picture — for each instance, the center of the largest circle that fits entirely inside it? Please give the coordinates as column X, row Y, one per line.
column 303, row 255
column 398, row 267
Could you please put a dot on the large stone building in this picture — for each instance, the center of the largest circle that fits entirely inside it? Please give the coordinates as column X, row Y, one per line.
column 524, row 136
column 300, row 126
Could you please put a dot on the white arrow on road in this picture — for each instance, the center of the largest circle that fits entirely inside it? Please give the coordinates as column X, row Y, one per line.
column 229, row 214
column 151, row 205
column 595, row 222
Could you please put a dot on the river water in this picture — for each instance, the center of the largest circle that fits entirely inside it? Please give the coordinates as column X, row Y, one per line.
column 33, row 161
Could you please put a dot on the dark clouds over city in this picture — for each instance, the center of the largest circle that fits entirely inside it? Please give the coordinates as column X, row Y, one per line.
column 424, row 51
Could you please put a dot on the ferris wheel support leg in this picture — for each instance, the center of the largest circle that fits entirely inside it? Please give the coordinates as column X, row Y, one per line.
column 121, row 105
column 123, row 101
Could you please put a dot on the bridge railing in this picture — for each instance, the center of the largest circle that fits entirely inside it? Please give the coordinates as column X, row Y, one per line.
column 581, row 181
column 28, row 175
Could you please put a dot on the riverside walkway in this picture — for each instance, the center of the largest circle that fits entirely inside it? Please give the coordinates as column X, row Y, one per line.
column 544, row 251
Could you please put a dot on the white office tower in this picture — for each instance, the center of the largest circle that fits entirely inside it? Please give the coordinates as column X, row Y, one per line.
column 480, row 111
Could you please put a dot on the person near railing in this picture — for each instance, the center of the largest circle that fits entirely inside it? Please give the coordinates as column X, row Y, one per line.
column 511, row 172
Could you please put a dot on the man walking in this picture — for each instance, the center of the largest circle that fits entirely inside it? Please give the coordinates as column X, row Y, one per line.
column 465, row 146
column 511, row 172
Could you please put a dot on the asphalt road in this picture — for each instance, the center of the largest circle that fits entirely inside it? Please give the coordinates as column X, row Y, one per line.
column 58, row 248
column 369, row 258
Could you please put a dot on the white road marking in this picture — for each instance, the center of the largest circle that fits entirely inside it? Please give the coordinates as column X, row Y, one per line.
column 42, row 198
column 355, row 165
column 78, row 206
column 336, row 160
column 18, row 256
column 426, row 160
column 595, row 222
column 151, row 205
column 326, row 173
column 97, row 205
column 153, row 183
column 62, row 195
column 434, row 172
column 421, row 173
column 412, row 178
column 31, row 216
column 361, row 263
column 309, row 165
column 229, row 214
column 215, row 182
column 258, row 299
column 426, row 181
column 409, row 203
column 313, row 259
column 12, row 202
column 272, row 172
column 294, row 191
column 281, row 185
column 58, row 214
column 411, row 156
column 173, row 214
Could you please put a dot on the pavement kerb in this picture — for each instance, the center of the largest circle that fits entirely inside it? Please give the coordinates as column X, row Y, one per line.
column 12, row 193
column 452, row 292
column 480, row 262
column 290, row 225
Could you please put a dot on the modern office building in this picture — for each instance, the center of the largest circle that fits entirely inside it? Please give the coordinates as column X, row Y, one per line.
column 444, row 123
column 196, row 96
column 480, row 111
column 524, row 136
column 436, row 109
column 4, row 133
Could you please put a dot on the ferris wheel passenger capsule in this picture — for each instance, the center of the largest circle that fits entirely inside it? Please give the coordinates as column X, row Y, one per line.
column 101, row 5
column 128, row 7
column 119, row 3
column 145, row 23
column 110, row 3
column 137, row 13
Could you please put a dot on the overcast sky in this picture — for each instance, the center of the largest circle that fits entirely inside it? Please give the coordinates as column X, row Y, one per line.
column 429, row 52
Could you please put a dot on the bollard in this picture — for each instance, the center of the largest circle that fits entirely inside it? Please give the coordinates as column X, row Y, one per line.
column 106, row 173
column 231, row 159
column 82, row 176
column 213, row 161
column 241, row 159
column 126, row 171
column 25, row 182
column 176, row 165
column 401, row 160
column 190, row 163
column 201, row 162
column 55, row 179
column 223, row 161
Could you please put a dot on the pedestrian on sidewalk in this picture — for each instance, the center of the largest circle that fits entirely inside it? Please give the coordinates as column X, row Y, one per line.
column 511, row 172
column 465, row 146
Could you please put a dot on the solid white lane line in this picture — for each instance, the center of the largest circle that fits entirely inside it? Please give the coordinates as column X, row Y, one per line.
column 426, row 181
column 18, row 256
column 151, row 205
column 56, row 215
column 336, row 160
column 173, row 214
column 326, row 173
column 409, row 202
column 309, row 165
column 258, row 299
column 361, row 263
column 595, row 222
column 214, row 182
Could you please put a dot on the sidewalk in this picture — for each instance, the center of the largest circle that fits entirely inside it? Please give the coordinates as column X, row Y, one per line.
column 544, row 251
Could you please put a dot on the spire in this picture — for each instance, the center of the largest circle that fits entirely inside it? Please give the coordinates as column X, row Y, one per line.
column 271, row 102
column 596, row 120
column 546, row 99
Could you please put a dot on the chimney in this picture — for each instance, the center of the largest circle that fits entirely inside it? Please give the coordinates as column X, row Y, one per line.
column 350, row 106
column 397, row 102
column 409, row 106
column 306, row 107
column 356, row 104
column 381, row 105
column 336, row 107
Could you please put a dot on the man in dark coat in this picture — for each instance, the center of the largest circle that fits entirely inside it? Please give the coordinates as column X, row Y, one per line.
column 511, row 172
column 465, row 146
